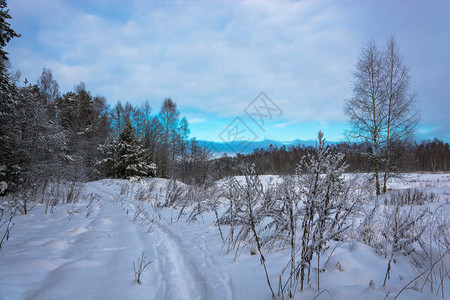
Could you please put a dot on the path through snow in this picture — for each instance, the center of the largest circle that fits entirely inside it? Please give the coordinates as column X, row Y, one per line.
column 71, row 254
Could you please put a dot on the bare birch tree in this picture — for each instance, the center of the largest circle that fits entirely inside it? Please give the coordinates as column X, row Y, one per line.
column 382, row 111
column 402, row 116
column 366, row 109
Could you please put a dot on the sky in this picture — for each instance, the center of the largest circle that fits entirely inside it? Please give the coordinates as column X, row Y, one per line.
column 267, row 69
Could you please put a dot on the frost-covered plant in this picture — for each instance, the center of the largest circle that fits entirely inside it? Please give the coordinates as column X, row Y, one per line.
column 401, row 232
column 146, row 193
column 410, row 197
column 285, row 216
column 173, row 193
column 195, row 196
column 326, row 204
column 204, row 199
column 228, row 217
column 370, row 228
column 7, row 213
column 247, row 213
column 439, row 246
column 140, row 267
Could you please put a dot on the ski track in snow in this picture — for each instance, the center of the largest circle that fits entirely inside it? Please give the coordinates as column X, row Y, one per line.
column 186, row 269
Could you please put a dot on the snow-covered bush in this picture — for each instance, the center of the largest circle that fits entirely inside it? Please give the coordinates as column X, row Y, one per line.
column 304, row 212
column 327, row 204
column 248, row 209
column 401, row 230
column 146, row 193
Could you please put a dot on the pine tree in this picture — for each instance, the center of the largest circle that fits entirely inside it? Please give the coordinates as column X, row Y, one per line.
column 41, row 141
column 8, row 104
column 86, row 120
column 108, row 163
column 125, row 157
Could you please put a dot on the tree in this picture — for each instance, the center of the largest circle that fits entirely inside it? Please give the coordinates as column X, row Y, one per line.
column 109, row 158
column 381, row 111
column 41, row 141
column 366, row 109
column 86, row 120
column 169, row 119
column 48, row 91
column 8, row 102
column 133, row 159
column 124, row 157
column 402, row 117
column 142, row 119
column 6, row 32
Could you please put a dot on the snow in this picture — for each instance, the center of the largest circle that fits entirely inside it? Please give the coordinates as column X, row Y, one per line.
column 86, row 251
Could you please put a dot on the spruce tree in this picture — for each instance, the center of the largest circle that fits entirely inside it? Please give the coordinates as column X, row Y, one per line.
column 133, row 159
column 125, row 157
column 8, row 104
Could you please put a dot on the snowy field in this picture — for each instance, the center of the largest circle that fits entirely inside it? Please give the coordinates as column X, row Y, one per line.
column 86, row 250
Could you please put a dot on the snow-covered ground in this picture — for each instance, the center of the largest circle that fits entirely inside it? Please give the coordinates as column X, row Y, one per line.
column 86, row 250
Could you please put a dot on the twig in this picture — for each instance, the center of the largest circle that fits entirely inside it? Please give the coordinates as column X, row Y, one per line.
column 422, row 273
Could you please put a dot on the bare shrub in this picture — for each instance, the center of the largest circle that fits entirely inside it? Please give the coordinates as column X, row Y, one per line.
column 157, row 208
column 72, row 192
column 146, row 193
column 204, row 199
column 137, row 212
column 7, row 214
column 173, row 193
column 140, row 267
column 400, row 233
column 125, row 189
column 248, row 214
column 410, row 197
column 195, row 195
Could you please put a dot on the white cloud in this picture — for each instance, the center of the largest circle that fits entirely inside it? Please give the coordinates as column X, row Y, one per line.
column 213, row 57
column 196, row 120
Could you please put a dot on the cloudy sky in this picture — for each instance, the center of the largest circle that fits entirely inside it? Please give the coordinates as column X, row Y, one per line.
column 213, row 58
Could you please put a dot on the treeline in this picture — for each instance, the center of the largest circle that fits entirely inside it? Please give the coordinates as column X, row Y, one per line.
column 46, row 135
column 427, row 156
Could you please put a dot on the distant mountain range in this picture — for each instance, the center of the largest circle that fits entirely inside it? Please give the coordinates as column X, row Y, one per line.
column 244, row 147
